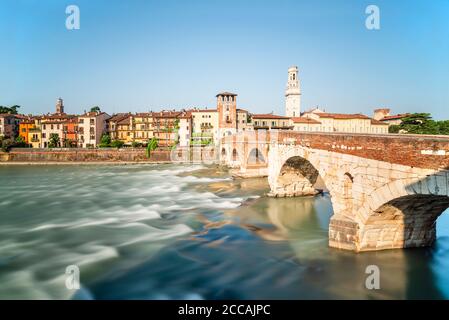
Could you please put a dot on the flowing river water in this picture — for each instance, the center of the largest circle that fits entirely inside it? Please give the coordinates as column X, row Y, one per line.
column 187, row 232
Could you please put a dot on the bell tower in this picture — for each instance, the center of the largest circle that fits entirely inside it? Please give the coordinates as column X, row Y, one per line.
column 293, row 94
column 59, row 106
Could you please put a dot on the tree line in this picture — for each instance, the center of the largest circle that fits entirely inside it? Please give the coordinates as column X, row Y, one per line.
column 421, row 123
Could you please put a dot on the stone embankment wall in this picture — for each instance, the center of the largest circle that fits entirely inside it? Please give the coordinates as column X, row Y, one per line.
column 84, row 155
column 180, row 155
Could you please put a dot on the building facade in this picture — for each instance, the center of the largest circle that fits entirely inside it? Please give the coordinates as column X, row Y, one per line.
column 91, row 127
column 342, row 122
column 271, row 121
column 9, row 125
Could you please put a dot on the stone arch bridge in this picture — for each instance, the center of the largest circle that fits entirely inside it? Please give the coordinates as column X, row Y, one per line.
column 386, row 190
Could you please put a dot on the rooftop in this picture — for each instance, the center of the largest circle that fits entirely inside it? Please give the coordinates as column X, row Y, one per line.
column 268, row 116
column 226, row 93
column 342, row 115
column 305, row 120
column 395, row 117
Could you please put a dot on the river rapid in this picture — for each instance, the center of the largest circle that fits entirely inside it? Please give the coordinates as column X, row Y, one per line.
column 187, row 232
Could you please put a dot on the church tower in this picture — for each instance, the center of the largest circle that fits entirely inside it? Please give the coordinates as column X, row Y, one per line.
column 59, row 106
column 293, row 94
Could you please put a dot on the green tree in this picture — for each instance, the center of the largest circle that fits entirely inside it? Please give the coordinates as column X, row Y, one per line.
column 53, row 140
column 152, row 145
column 443, row 127
column 117, row 144
column 10, row 110
column 136, row 144
column 95, row 109
column 20, row 143
column 422, row 123
column 7, row 144
column 394, row 128
column 105, row 141
column 69, row 143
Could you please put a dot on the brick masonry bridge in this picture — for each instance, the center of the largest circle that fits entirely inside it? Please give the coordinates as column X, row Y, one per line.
column 386, row 190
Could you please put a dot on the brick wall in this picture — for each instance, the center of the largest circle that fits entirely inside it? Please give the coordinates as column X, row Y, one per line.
column 431, row 152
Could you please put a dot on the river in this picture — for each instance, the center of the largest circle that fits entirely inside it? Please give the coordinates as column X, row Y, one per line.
column 187, row 232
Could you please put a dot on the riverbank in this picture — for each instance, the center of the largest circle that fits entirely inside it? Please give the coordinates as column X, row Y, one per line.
column 87, row 163
column 101, row 156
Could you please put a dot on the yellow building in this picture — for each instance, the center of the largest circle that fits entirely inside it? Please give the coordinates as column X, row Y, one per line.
column 35, row 137
column 124, row 128
column 342, row 122
column 270, row 121
column 204, row 126
column 142, row 127
column 305, row 124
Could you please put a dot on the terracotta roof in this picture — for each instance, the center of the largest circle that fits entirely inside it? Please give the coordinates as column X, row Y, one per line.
column 92, row 114
column 19, row 116
column 166, row 114
column 56, row 116
column 124, row 120
column 305, row 120
column 118, row 116
column 143, row 114
column 241, row 110
column 205, row 110
column 268, row 116
column 394, row 117
column 377, row 122
column 342, row 115
column 226, row 94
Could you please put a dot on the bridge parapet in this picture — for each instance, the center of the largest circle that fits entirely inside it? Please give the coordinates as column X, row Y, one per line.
column 421, row 151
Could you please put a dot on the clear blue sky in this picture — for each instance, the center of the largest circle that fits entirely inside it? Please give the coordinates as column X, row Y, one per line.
column 139, row 55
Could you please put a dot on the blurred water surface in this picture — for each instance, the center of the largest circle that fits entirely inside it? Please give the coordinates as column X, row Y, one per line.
column 187, row 232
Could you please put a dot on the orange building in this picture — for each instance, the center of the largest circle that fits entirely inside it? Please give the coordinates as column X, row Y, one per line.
column 70, row 132
column 24, row 129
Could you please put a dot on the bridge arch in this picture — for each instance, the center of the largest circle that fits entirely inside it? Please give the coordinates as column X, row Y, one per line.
column 403, row 213
column 297, row 177
column 295, row 157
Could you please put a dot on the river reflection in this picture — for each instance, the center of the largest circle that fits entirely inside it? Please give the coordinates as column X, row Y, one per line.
column 188, row 232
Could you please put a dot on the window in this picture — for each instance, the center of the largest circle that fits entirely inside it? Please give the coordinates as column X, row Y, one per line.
column 92, row 121
column 52, row 127
column 81, row 120
column 24, row 130
column 44, row 135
